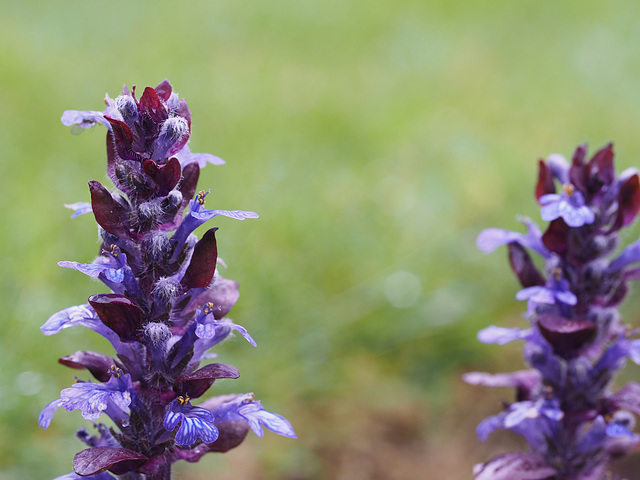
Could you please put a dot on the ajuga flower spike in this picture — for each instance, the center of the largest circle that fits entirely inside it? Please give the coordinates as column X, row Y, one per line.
column 565, row 406
column 167, row 308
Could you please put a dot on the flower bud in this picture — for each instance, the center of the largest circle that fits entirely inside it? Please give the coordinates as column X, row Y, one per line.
column 157, row 333
column 166, row 289
column 173, row 130
column 127, row 107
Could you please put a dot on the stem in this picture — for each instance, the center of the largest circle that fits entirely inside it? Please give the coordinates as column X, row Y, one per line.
column 164, row 473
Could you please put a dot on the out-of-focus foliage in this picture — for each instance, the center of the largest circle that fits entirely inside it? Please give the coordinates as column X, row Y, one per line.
column 375, row 139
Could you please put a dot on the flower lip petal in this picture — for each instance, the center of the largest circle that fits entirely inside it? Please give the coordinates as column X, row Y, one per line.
column 502, row 335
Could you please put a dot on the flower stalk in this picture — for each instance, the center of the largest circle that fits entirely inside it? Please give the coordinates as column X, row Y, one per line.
column 565, row 405
column 167, row 308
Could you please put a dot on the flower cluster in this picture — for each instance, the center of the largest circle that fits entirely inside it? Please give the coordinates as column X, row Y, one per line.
column 167, row 308
column 565, row 406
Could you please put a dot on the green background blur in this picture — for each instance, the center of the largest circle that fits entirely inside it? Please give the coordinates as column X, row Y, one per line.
column 375, row 139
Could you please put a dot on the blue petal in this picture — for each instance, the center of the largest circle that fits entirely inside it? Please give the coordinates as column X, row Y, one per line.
column 194, row 428
column 256, row 415
column 489, row 424
column 206, row 330
column 79, row 208
column 520, row 411
column 501, row 335
column 75, row 476
column 171, row 419
column 47, row 413
column 243, row 332
column 198, row 212
column 537, row 294
column 69, row 317
column 84, row 119
column 185, row 156
column 630, row 254
column 617, row 430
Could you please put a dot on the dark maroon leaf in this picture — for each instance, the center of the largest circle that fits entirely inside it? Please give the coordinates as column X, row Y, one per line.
column 123, row 139
column 151, row 105
column 523, row 266
column 579, row 172
column 628, row 202
column 98, row 459
column 566, row 337
column 617, row 295
column 197, row 383
column 164, row 90
column 556, row 236
column 110, row 214
column 231, row 434
column 190, row 175
column 187, row 188
column 97, row 363
column 118, row 313
column 165, row 176
column 203, row 262
column 223, row 294
column 603, row 162
column 545, row 183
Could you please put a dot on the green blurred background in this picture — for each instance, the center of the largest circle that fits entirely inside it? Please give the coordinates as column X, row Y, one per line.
column 375, row 139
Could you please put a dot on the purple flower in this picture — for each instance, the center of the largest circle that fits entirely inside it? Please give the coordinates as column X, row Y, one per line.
column 111, row 267
column 195, row 422
column 491, row 238
column 243, row 407
column 207, row 324
column 557, row 289
column 569, row 206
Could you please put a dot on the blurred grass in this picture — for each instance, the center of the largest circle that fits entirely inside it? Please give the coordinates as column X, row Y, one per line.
column 375, row 139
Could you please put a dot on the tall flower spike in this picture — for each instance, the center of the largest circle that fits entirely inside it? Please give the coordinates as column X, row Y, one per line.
column 565, row 407
column 167, row 306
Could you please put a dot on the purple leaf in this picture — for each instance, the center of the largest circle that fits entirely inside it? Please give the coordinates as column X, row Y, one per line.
column 566, row 336
column 523, row 266
column 118, row 313
column 556, row 236
column 164, row 90
column 98, row 459
column 97, row 363
column 628, row 202
column 166, row 176
column 197, row 383
column 110, row 214
column 203, row 262
column 151, row 104
column 545, row 183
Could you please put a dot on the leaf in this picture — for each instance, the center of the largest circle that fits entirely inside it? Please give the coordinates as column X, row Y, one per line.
column 197, row 383
column 203, row 262
column 119, row 313
column 98, row 459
